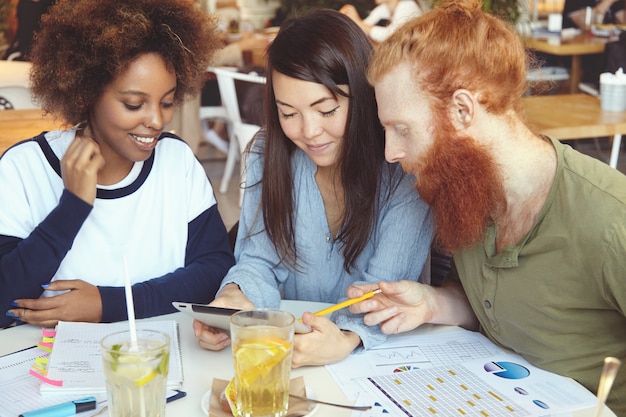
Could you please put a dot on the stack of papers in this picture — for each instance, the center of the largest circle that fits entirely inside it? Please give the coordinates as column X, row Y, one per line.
column 75, row 363
column 19, row 391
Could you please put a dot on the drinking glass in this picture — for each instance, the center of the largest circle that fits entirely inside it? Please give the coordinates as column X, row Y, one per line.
column 136, row 375
column 262, row 343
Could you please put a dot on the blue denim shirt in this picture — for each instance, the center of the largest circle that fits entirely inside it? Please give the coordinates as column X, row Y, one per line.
column 397, row 250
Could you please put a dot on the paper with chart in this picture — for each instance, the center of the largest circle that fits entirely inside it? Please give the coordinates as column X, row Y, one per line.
column 501, row 386
column 410, row 351
column 453, row 373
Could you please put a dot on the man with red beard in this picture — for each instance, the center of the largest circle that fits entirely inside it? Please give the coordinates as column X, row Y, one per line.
column 536, row 229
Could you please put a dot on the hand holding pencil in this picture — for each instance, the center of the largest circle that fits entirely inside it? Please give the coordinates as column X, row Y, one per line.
column 347, row 303
column 405, row 304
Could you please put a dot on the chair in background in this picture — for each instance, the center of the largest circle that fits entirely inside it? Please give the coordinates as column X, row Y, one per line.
column 15, row 86
column 242, row 130
column 214, row 113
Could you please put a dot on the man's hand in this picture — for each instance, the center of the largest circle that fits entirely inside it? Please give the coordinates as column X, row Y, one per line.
column 405, row 305
column 400, row 307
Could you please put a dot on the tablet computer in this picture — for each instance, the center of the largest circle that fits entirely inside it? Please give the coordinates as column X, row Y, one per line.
column 219, row 317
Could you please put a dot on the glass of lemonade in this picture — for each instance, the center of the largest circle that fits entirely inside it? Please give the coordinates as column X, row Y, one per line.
column 136, row 377
column 262, row 343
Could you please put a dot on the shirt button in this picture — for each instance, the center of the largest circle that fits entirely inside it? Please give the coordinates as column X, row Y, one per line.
column 487, row 304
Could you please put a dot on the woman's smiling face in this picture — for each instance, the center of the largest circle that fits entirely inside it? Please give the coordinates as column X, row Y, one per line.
column 133, row 109
column 311, row 117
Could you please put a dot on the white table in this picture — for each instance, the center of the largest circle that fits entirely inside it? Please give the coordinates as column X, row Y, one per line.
column 201, row 366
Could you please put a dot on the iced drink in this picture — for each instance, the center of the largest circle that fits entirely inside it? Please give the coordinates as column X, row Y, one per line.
column 262, row 342
column 136, row 377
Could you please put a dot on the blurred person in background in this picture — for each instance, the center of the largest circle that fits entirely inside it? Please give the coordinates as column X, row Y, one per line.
column 28, row 16
column 385, row 18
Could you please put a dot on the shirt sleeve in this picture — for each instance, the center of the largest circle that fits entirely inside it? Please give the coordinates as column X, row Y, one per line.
column 614, row 284
column 48, row 244
column 405, row 10
column 208, row 258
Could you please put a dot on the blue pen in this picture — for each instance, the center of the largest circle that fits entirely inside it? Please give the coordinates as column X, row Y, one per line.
column 64, row 410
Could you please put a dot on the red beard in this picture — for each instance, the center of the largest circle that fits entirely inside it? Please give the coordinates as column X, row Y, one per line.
column 462, row 184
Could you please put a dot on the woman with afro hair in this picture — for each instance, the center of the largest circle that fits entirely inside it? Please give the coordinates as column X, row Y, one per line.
column 115, row 195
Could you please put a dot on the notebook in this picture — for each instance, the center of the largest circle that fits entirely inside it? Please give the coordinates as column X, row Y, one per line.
column 75, row 361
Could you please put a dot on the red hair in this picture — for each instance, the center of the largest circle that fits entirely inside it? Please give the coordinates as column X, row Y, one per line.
column 457, row 45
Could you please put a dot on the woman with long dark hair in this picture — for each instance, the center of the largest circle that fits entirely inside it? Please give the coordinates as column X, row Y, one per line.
column 322, row 208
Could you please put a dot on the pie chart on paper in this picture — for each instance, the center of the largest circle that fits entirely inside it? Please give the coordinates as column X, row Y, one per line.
column 507, row 370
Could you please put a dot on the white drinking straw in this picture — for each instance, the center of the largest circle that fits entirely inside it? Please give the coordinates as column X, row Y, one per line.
column 130, row 308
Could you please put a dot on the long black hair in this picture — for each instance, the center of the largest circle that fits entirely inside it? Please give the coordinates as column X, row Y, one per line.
column 324, row 47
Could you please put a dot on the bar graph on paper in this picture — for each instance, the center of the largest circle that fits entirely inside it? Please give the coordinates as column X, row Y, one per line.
column 453, row 374
column 445, row 391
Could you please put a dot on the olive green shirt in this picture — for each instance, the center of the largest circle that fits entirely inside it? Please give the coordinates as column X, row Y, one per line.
column 558, row 297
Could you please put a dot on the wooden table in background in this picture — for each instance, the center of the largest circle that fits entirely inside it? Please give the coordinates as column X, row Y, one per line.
column 17, row 125
column 576, row 47
column 575, row 116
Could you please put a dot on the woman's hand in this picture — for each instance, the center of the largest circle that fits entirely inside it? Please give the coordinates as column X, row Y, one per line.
column 326, row 344
column 211, row 338
column 81, row 302
column 80, row 166
column 232, row 297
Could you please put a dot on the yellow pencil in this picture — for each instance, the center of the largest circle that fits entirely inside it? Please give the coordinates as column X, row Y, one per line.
column 348, row 302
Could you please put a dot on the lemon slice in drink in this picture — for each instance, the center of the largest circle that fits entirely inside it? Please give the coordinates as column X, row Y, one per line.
column 258, row 356
column 128, row 367
column 140, row 375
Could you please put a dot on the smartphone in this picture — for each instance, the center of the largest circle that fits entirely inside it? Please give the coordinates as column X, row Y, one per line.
column 219, row 317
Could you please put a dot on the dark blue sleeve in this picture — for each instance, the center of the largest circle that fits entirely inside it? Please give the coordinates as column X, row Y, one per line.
column 207, row 261
column 27, row 263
